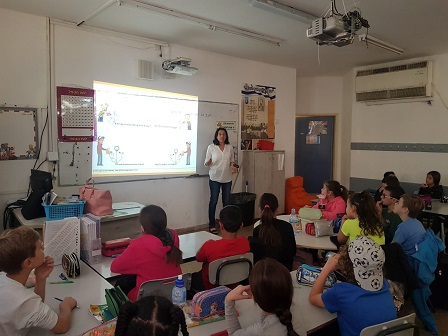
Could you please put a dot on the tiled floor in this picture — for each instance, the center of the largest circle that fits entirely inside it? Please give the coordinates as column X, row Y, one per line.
column 441, row 316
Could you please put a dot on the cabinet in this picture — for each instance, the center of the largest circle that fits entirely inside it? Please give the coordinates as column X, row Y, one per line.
column 264, row 172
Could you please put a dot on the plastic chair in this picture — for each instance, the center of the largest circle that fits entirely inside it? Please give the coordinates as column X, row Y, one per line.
column 162, row 287
column 230, row 270
column 403, row 326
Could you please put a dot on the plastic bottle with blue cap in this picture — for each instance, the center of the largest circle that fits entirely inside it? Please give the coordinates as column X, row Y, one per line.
column 179, row 294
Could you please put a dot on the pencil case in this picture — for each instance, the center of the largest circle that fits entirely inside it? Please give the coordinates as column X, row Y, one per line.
column 109, row 252
column 115, row 298
column 70, row 264
column 307, row 275
column 209, row 302
column 121, row 242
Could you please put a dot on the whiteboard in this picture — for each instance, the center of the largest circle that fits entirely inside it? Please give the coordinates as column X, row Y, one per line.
column 75, row 159
column 211, row 116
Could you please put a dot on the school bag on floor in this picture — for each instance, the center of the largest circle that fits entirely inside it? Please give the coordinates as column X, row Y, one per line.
column 439, row 287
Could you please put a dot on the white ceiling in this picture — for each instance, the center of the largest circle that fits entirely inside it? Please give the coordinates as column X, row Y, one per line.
column 418, row 26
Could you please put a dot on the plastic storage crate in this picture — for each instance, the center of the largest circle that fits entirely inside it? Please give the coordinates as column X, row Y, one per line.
column 61, row 211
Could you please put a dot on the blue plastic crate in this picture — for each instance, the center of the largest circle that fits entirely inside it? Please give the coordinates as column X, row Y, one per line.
column 61, row 211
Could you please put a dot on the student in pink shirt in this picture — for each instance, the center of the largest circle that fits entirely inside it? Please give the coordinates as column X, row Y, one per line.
column 335, row 199
column 154, row 255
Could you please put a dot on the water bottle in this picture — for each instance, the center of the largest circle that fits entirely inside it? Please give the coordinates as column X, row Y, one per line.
column 179, row 294
column 294, row 220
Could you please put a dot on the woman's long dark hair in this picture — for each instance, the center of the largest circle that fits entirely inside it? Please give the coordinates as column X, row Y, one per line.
column 369, row 218
column 215, row 139
column 150, row 316
column 271, row 286
column 154, row 222
column 337, row 189
column 269, row 234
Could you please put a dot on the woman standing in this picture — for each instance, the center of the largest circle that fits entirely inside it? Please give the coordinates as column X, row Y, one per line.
column 219, row 158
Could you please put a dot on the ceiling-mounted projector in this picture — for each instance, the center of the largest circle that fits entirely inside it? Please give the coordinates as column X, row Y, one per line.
column 179, row 66
column 338, row 30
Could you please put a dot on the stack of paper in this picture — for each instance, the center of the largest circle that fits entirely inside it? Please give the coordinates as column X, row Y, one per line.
column 61, row 237
column 90, row 239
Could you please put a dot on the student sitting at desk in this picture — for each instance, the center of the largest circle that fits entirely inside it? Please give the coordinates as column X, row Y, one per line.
column 364, row 300
column 154, row 255
column 432, row 185
column 362, row 219
column 271, row 288
column 151, row 315
column 21, row 251
column 273, row 238
column 335, row 198
column 230, row 221
column 389, row 197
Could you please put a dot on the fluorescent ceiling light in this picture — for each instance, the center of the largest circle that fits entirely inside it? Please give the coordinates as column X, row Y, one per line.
column 206, row 23
column 281, row 9
column 380, row 44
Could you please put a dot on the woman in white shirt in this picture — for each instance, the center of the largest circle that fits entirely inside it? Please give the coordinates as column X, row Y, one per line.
column 220, row 159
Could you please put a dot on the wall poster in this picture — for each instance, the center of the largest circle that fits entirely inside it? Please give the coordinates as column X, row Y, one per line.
column 76, row 114
column 258, row 114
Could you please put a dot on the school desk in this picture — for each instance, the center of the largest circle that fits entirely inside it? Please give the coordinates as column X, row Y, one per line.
column 189, row 244
column 123, row 223
column 306, row 318
column 304, row 240
column 439, row 209
column 88, row 288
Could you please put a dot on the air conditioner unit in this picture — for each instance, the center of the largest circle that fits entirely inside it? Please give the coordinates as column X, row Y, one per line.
column 405, row 81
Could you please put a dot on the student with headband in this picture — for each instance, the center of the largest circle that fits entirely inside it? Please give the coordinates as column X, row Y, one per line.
column 273, row 238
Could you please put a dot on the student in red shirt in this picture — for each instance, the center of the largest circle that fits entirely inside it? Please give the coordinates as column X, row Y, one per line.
column 154, row 255
column 230, row 221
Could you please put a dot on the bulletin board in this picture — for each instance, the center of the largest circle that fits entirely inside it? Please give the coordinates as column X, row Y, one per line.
column 18, row 133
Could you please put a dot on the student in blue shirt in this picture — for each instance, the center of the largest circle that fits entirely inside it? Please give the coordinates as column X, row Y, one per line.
column 410, row 232
column 364, row 300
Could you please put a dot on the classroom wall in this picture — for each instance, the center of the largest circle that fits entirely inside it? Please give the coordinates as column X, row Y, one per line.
column 327, row 96
column 416, row 122
column 220, row 78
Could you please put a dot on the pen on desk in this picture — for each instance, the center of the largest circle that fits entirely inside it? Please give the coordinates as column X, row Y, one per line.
column 63, row 277
column 59, row 299
column 61, row 282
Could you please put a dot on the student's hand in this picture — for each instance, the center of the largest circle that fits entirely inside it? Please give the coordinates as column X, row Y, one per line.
column 68, row 302
column 344, row 218
column 379, row 206
column 423, row 185
column 43, row 271
column 239, row 293
column 332, row 263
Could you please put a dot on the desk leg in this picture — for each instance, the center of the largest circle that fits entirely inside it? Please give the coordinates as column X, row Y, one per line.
column 442, row 231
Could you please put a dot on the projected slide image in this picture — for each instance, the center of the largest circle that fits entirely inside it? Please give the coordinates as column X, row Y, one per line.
column 144, row 132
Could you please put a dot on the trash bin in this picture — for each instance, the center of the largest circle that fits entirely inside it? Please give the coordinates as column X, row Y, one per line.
column 246, row 202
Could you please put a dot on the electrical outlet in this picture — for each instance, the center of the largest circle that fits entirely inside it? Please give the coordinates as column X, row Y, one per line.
column 52, row 156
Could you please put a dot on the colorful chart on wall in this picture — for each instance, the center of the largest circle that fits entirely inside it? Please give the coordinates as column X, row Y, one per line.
column 76, row 114
column 18, row 137
column 258, row 114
